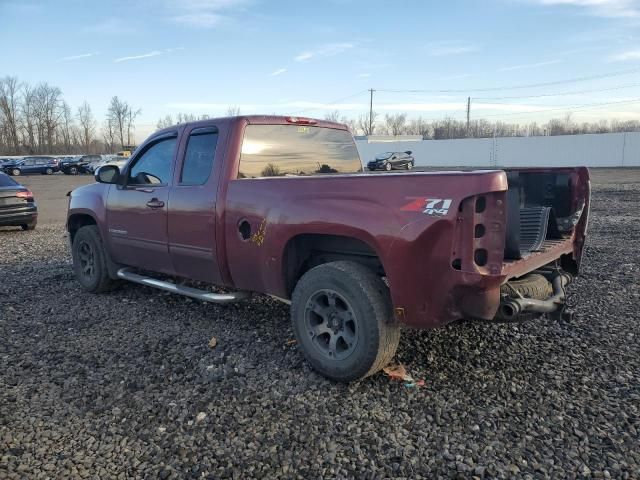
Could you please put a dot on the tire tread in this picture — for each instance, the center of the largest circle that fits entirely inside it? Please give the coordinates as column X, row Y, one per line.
column 378, row 297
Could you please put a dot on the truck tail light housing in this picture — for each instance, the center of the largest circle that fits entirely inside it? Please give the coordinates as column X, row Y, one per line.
column 480, row 234
column 301, row 120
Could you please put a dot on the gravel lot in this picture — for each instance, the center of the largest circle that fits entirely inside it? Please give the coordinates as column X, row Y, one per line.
column 124, row 385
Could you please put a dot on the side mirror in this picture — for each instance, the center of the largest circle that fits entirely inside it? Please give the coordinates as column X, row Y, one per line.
column 107, row 174
column 408, row 152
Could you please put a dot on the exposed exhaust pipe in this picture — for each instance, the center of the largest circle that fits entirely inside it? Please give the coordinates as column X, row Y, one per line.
column 512, row 307
column 127, row 274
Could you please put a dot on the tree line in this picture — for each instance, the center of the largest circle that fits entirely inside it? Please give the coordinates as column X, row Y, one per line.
column 450, row 128
column 35, row 119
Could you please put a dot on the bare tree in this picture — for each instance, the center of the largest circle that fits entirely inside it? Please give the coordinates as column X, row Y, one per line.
column 186, row 117
column 9, row 110
column 233, row 111
column 351, row 125
column 49, row 112
column 334, row 116
column 131, row 117
column 87, row 125
column 28, row 123
column 117, row 117
column 66, row 127
column 109, row 135
column 418, row 126
column 364, row 122
column 271, row 170
column 165, row 122
column 395, row 123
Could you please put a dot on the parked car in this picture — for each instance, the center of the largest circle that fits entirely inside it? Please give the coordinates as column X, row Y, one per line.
column 78, row 164
column 279, row 205
column 390, row 160
column 26, row 165
column 94, row 161
column 17, row 205
column 118, row 160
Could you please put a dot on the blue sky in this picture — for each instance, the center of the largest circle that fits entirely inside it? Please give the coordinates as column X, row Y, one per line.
column 310, row 57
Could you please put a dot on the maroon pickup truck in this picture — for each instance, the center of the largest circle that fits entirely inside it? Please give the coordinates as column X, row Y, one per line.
column 281, row 206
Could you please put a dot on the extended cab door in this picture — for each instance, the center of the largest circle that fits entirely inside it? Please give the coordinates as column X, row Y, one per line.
column 137, row 207
column 192, row 206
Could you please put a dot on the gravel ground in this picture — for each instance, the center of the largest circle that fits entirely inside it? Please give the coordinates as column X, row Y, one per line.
column 124, row 385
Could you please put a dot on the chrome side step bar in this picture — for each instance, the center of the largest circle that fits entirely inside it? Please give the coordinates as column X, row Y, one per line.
column 127, row 274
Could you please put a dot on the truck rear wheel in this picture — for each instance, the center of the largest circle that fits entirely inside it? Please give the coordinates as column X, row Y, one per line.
column 342, row 320
column 89, row 260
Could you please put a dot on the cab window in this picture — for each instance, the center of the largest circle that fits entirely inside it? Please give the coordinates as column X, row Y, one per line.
column 153, row 166
column 198, row 159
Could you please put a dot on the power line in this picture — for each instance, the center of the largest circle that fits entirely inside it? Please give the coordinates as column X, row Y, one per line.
column 371, row 90
column 567, row 107
column 331, row 103
column 560, row 94
column 519, row 87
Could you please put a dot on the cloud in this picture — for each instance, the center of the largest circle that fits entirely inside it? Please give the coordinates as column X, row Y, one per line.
column 154, row 53
column 445, row 49
column 277, row 72
column 364, row 75
column 625, row 56
column 78, row 57
column 303, row 56
column 203, row 13
column 111, row 26
column 600, row 8
column 175, row 49
column 327, row 50
column 527, row 66
column 199, row 20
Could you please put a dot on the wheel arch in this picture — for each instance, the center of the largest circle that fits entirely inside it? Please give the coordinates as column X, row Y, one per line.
column 307, row 250
column 78, row 220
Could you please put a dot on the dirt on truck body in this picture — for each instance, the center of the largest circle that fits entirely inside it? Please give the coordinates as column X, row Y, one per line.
column 279, row 205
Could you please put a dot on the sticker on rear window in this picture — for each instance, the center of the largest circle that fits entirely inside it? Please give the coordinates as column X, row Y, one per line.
column 428, row 206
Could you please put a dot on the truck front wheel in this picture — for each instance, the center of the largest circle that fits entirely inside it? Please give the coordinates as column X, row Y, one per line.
column 89, row 261
column 342, row 320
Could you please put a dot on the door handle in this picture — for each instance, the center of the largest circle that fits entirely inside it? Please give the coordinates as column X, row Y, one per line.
column 155, row 203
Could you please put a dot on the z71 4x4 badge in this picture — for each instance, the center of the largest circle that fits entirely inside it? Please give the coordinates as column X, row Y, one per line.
column 428, row 206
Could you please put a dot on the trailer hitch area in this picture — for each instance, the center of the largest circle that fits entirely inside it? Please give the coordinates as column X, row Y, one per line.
column 554, row 306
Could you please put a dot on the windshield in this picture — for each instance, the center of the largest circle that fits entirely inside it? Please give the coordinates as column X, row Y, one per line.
column 279, row 150
column 384, row 156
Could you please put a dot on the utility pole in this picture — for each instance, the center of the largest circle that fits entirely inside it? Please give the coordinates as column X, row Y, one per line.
column 468, row 113
column 371, row 112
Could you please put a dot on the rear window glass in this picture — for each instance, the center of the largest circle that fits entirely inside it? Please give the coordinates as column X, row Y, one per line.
column 279, row 150
column 7, row 181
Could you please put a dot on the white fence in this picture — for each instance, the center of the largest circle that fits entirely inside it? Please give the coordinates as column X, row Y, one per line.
column 597, row 150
